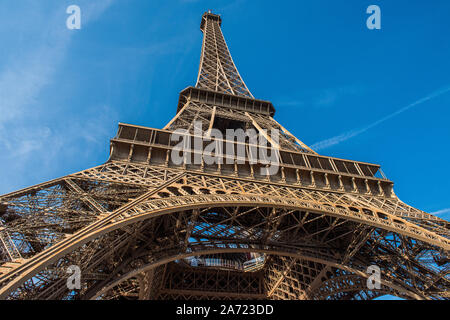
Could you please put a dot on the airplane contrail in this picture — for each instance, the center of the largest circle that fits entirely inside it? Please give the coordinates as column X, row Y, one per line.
column 440, row 212
column 355, row 132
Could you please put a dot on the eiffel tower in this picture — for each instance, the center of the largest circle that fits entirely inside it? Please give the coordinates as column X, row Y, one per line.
column 142, row 226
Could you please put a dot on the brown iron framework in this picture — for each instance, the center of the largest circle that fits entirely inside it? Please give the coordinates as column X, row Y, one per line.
column 143, row 227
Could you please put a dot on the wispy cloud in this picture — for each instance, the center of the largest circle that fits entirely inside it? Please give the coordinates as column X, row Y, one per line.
column 325, row 97
column 353, row 133
column 441, row 212
column 332, row 95
column 26, row 133
column 24, row 78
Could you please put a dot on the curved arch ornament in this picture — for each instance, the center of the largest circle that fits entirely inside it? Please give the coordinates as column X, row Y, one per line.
column 308, row 231
column 154, row 209
column 388, row 287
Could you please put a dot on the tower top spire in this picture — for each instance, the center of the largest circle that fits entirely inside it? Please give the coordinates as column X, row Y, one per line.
column 210, row 16
column 217, row 70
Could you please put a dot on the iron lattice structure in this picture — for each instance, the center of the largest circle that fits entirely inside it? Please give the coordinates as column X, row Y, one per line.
column 142, row 227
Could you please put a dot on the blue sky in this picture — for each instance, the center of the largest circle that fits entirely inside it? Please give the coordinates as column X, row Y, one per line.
column 380, row 96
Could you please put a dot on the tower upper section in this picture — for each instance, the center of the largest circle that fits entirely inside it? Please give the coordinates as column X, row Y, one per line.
column 217, row 71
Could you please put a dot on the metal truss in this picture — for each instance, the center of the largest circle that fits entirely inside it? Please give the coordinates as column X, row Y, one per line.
column 143, row 227
column 217, row 71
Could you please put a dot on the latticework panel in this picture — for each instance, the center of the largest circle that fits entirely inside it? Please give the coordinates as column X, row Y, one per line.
column 313, row 240
column 217, row 70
